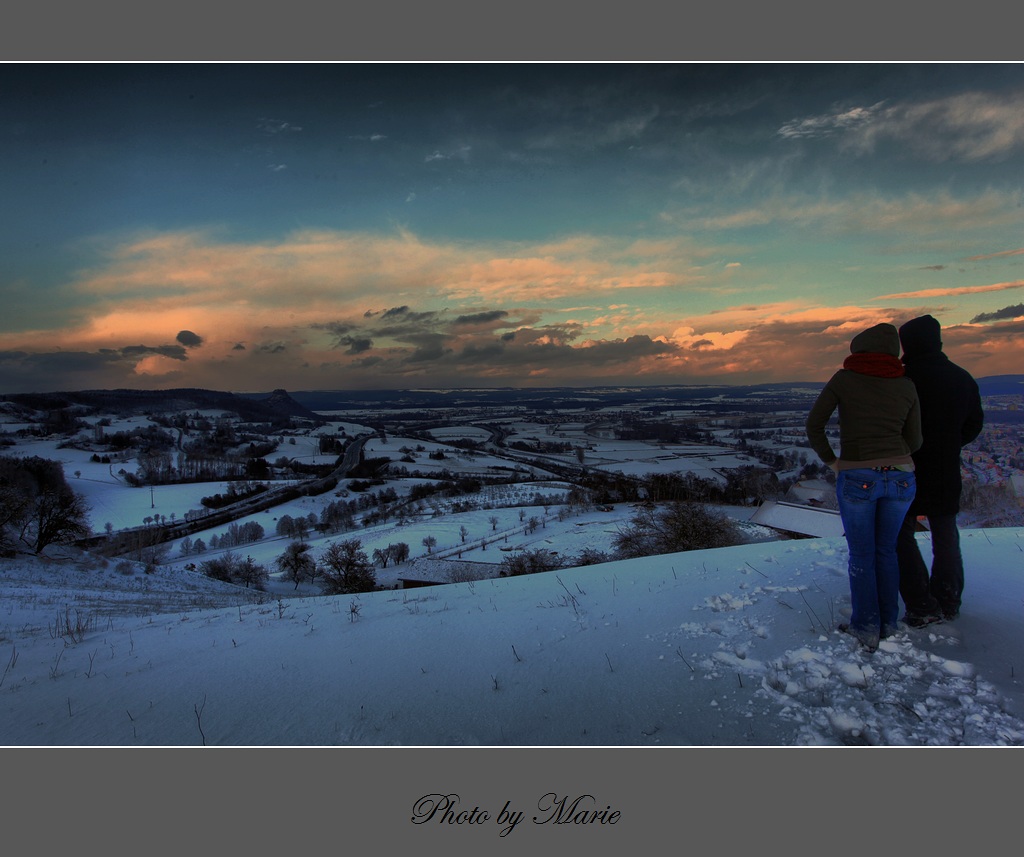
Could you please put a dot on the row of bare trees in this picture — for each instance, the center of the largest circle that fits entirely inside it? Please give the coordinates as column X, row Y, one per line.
column 341, row 568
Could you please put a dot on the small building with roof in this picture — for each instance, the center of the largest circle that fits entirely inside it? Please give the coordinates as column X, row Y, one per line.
column 798, row 519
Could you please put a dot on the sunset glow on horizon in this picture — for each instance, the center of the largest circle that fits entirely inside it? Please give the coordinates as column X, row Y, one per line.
column 391, row 225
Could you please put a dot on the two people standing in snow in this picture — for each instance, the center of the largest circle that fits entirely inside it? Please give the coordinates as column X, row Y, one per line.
column 902, row 426
column 879, row 429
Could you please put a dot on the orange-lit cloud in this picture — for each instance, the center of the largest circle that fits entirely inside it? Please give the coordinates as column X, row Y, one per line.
column 954, row 291
column 998, row 255
column 327, row 309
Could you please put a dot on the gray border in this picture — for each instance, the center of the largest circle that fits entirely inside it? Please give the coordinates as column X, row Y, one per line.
column 696, row 801
column 471, row 30
column 268, row 801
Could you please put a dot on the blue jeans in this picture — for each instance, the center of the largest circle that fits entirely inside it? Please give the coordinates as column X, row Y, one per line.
column 873, row 504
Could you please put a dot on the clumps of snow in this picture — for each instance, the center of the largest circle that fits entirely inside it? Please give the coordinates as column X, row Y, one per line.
column 728, row 601
column 898, row 694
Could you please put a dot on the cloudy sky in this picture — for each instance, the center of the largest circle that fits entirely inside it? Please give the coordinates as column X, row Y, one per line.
column 387, row 225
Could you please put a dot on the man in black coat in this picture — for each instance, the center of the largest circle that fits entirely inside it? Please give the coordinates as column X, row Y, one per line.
column 951, row 417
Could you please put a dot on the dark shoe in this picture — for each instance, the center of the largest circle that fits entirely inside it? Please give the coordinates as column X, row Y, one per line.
column 889, row 631
column 867, row 639
column 915, row 620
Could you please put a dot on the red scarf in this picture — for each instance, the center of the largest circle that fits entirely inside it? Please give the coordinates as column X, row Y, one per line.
column 872, row 363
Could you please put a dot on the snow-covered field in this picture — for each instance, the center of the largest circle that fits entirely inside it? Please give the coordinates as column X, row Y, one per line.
column 733, row 647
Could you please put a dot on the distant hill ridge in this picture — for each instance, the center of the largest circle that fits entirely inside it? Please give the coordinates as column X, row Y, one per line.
column 552, row 398
column 756, row 396
column 272, row 407
column 1001, row 385
column 312, row 404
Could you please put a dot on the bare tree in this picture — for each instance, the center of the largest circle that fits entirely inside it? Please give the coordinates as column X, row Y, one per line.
column 347, row 569
column 678, row 526
column 36, row 500
column 530, row 562
column 251, row 573
column 296, row 564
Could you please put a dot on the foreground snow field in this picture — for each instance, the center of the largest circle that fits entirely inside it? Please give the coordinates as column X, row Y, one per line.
column 731, row 647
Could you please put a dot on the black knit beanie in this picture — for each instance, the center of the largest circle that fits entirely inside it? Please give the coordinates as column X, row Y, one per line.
column 921, row 335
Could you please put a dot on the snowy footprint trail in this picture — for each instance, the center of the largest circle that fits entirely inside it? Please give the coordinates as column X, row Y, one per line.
column 917, row 689
column 899, row 695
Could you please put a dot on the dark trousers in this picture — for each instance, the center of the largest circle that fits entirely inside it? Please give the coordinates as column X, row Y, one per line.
column 938, row 592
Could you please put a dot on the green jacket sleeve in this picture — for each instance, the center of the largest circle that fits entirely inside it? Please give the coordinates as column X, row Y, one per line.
column 817, row 419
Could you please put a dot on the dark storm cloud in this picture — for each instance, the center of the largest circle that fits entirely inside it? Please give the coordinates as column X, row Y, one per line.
column 406, row 314
column 35, row 372
column 189, row 339
column 338, row 328
column 367, row 362
column 272, row 348
column 174, row 352
column 482, row 353
column 545, row 349
column 480, row 318
column 405, row 331
column 395, row 312
column 88, row 361
column 57, row 362
column 1011, row 329
column 700, row 343
column 423, row 330
column 428, row 347
column 346, row 336
column 238, row 346
column 558, row 333
column 1005, row 313
column 623, row 351
column 355, row 344
column 403, row 321
column 557, row 355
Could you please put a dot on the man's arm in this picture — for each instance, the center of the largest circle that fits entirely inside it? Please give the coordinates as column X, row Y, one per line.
column 975, row 416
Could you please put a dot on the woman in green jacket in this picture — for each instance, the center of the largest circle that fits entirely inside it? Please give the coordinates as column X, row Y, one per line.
column 879, row 428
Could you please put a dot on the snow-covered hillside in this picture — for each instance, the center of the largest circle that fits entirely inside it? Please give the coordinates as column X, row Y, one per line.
column 736, row 646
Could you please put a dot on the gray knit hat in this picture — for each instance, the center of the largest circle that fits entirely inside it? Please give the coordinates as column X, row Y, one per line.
column 880, row 339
